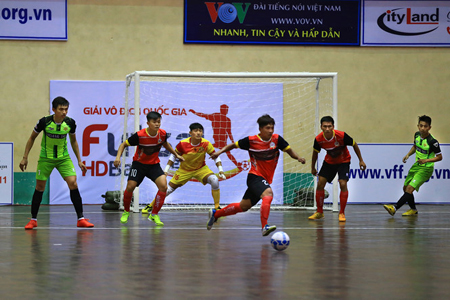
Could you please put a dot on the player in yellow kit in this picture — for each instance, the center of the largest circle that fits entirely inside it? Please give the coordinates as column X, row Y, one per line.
column 194, row 150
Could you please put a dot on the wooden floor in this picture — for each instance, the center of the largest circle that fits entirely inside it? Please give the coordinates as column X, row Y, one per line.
column 371, row 256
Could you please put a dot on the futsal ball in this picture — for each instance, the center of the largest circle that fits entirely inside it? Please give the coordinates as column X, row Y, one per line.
column 280, row 240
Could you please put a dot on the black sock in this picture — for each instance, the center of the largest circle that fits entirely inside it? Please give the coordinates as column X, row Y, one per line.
column 36, row 203
column 75, row 197
column 403, row 199
column 412, row 203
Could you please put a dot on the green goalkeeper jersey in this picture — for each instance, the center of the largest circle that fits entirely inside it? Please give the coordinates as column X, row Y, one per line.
column 54, row 140
column 426, row 148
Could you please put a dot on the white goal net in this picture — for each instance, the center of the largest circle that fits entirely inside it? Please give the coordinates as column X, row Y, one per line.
column 228, row 105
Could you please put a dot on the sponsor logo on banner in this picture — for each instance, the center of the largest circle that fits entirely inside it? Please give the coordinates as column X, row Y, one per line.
column 403, row 21
column 406, row 23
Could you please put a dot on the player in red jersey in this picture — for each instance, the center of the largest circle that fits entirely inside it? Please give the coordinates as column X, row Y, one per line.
column 146, row 164
column 337, row 161
column 264, row 150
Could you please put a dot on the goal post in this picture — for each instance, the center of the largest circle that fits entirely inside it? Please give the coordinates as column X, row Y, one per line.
column 296, row 101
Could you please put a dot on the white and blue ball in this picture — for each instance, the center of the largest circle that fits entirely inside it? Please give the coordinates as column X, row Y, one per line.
column 280, row 240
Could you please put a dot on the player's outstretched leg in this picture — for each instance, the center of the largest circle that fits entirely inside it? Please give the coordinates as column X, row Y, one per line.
column 211, row 219
column 390, row 209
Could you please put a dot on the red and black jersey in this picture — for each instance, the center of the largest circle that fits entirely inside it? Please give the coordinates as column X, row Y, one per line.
column 147, row 146
column 263, row 154
column 336, row 147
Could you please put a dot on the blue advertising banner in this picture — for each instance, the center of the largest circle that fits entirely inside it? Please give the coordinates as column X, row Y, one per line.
column 289, row 22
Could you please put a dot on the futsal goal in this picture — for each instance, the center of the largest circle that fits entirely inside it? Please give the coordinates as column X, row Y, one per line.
column 228, row 104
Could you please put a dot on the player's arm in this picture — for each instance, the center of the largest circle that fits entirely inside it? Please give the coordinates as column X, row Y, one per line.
column 314, row 157
column 362, row 164
column 201, row 115
column 24, row 162
column 295, row 156
column 218, row 162
column 434, row 148
column 76, row 150
column 119, row 153
column 170, row 149
column 223, row 150
column 437, row 158
column 411, row 152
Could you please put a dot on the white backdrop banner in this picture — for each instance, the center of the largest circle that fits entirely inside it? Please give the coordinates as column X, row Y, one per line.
column 406, row 23
column 6, row 173
column 98, row 109
column 33, row 20
column 382, row 181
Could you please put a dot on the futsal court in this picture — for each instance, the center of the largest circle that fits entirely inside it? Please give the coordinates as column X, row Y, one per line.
column 371, row 256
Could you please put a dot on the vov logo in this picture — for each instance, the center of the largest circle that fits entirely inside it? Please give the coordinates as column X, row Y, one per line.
column 227, row 12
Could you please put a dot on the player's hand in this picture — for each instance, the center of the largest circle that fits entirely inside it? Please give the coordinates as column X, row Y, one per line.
column 82, row 166
column 405, row 158
column 116, row 163
column 362, row 165
column 422, row 161
column 222, row 175
column 23, row 164
column 302, row 160
column 214, row 155
column 181, row 158
column 314, row 171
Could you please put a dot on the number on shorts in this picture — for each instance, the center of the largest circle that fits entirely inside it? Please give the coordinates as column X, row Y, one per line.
column 133, row 172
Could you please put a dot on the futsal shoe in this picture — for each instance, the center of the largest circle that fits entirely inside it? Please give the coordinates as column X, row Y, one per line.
column 124, row 218
column 342, row 218
column 212, row 219
column 266, row 230
column 84, row 223
column 156, row 220
column 410, row 212
column 316, row 216
column 147, row 209
column 31, row 224
column 390, row 209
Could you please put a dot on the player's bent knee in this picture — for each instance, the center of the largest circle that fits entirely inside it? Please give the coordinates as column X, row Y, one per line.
column 214, row 182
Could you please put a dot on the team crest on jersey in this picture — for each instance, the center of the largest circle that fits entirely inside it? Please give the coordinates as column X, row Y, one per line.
column 272, row 145
column 200, row 149
column 66, row 128
column 159, row 141
column 336, row 143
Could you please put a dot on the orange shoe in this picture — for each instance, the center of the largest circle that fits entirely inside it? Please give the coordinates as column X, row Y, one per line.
column 342, row 217
column 84, row 223
column 31, row 224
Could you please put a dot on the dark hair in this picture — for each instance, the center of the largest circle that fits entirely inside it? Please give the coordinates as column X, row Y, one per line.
column 196, row 126
column 265, row 120
column 425, row 119
column 153, row 115
column 327, row 119
column 59, row 101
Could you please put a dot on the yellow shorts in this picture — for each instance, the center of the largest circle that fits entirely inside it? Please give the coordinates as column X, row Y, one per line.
column 181, row 176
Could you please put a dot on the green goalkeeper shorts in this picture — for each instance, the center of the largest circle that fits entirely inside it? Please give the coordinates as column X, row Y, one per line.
column 46, row 165
column 418, row 175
